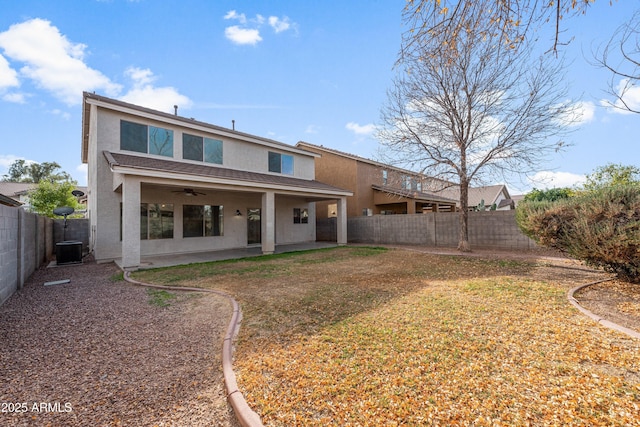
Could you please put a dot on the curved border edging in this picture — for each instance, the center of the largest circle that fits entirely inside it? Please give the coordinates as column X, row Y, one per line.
column 602, row 321
column 245, row 415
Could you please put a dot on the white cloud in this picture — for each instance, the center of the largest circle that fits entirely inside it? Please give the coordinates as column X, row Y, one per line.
column 577, row 114
column 361, row 129
column 248, row 32
column 630, row 94
column 15, row 97
column 312, row 129
column 140, row 76
column 81, row 174
column 8, row 76
column 144, row 94
column 551, row 179
column 240, row 17
column 65, row 115
column 52, row 61
column 242, row 35
column 279, row 24
column 7, row 160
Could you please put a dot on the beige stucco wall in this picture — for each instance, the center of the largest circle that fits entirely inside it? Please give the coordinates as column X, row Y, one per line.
column 286, row 230
column 237, row 154
column 105, row 195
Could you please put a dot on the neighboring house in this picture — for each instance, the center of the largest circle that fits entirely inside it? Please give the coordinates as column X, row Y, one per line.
column 8, row 201
column 164, row 184
column 19, row 191
column 377, row 188
column 517, row 199
column 489, row 197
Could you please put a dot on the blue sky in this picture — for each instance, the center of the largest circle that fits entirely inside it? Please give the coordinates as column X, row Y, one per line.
column 287, row 70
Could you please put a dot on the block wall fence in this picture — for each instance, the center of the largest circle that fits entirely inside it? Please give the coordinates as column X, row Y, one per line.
column 487, row 230
column 27, row 241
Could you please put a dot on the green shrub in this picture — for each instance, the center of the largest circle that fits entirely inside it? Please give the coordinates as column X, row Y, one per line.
column 551, row 194
column 600, row 227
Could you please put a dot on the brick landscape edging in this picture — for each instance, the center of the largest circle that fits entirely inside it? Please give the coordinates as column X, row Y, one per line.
column 245, row 415
column 603, row 322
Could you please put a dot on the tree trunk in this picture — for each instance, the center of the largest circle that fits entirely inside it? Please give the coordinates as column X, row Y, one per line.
column 463, row 241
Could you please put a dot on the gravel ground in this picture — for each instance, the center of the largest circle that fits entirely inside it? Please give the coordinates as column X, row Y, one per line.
column 96, row 352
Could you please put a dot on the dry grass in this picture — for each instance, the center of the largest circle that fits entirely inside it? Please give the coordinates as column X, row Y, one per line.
column 368, row 337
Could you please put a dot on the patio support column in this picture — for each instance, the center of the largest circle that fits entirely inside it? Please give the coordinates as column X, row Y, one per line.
column 342, row 221
column 268, row 222
column 130, row 223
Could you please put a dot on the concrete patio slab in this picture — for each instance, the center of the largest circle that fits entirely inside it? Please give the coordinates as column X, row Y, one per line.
column 156, row 261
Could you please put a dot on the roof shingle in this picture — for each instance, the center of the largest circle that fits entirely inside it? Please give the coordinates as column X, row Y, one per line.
column 173, row 166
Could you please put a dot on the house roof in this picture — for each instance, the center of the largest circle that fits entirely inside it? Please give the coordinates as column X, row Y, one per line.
column 417, row 195
column 303, row 144
column 138, row 164
column 8, row 201
column 148, row 113
column 15, row 189
column 489, row 194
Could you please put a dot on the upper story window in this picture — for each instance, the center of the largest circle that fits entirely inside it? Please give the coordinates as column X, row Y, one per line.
column 405, row 182
column 201, row 149
column 411, row 183
column 146, row 139
column 385, row 177
column 280, row 163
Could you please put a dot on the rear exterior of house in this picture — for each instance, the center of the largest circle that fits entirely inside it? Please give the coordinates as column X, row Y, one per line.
column 162, row 184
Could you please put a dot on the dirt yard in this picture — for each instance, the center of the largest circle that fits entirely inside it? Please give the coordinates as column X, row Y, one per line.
column 100, row 352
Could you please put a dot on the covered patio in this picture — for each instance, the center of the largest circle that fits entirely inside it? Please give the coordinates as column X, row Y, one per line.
column 251, row 213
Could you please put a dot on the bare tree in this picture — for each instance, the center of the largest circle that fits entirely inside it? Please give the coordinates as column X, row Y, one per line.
column 512, row 19
column 468, row 105
column 621, row 56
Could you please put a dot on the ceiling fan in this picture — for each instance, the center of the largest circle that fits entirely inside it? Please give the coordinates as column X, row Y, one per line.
column 189, row 192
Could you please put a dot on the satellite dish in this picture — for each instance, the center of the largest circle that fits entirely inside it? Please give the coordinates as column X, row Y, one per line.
column 63, row 211
column 77, row 193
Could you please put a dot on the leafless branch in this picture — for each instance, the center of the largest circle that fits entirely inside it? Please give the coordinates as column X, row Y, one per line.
column 469, row 103
column 621, row 56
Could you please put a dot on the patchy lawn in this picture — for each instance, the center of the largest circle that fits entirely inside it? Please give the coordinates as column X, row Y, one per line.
column 368, row 337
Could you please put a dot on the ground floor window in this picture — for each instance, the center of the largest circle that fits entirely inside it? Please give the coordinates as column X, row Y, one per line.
column 156, row 221
column 300, row 216
column 202, row 220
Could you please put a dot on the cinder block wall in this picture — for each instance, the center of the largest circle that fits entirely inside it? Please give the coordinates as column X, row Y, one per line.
column 9, row 226
column 490, row 230
column 77, row 230
column 26, row 242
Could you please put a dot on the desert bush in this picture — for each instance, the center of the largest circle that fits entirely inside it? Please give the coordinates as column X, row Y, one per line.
column 600, row 227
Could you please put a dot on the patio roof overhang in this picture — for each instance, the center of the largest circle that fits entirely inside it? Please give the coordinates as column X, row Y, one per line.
column 178, row 173
column 416, row 196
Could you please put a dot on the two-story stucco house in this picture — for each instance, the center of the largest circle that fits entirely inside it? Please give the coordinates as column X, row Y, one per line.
column 378, row 189
column 159, row 183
